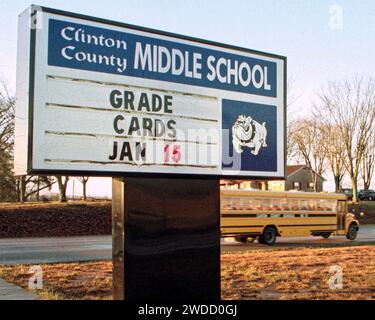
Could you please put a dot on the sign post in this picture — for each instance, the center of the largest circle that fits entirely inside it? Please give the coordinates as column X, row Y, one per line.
column 118, row 238
column 172, row 239
column 166, row 116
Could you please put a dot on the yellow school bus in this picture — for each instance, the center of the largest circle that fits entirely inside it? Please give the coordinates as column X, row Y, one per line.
column 266, row 215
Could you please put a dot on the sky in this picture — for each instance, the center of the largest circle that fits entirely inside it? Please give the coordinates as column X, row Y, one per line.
column 322, row 39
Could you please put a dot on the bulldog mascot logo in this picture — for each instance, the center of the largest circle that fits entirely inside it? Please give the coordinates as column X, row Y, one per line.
column 246, row 132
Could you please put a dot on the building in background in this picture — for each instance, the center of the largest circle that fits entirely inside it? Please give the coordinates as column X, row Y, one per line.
column 298, row 178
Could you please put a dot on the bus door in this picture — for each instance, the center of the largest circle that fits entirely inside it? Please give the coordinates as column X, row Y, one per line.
column 341, row 214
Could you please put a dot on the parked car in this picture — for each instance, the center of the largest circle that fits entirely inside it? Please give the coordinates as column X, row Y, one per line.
column 348, row 192
column 366, row 195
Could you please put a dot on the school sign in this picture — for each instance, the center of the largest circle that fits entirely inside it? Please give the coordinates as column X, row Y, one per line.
column 106, row 98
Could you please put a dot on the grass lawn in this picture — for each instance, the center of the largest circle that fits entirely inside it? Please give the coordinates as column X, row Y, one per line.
column 66, row 281
column 299, row 273
column 260, row 274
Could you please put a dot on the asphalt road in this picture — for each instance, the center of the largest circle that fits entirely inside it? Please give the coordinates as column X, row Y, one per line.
column 73, row 249
column 52, row 250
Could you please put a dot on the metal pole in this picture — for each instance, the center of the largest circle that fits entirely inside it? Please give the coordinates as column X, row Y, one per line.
column 166, row 239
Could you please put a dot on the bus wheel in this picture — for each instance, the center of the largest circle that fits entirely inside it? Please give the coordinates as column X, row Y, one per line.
column 241, row 239
column 352, row 232
column 326, row 235
column 268, row 237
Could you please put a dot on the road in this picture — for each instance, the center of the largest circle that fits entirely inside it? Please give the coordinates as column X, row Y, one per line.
column 52, row 250
column 73, row 249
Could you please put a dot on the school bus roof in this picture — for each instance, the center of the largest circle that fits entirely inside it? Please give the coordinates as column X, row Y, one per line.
column 280, row 194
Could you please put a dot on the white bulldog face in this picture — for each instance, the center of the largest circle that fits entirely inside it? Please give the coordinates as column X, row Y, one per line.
column 246, row 132
column 242, row 128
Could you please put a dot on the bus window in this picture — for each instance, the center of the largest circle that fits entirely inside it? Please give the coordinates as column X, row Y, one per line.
column 342, row 206
column 312, row 204
column 257, row 203
column 330, row 205
column 294, row 204
column 285, row 204
column 267, row 204
column 247, row 204
column 303, row 205
column 320, row 205
column 276, row 204
column 250, row 204
column 242, row 204
column 227, row 203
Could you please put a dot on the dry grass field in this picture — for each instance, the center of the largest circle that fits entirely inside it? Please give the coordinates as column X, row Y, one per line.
column 66, row 281
column 299, row 274
column 260, row 274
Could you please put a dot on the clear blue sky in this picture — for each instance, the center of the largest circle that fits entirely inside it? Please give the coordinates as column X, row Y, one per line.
column 298, row 29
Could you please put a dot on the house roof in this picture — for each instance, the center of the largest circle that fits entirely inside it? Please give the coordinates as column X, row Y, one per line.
column 294, row 168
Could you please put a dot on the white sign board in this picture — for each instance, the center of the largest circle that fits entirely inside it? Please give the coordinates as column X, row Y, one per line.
column 98, row 97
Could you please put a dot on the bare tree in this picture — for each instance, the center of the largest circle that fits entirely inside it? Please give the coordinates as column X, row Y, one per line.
column 31, row 186
column 368, row 162
column 334, row 146
column 308, row 135
column 84, row 181
column 7, row 116
column 291, row 145
column 350, row 106
column 292, row 99
column 8, row 186
column 62, row 184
